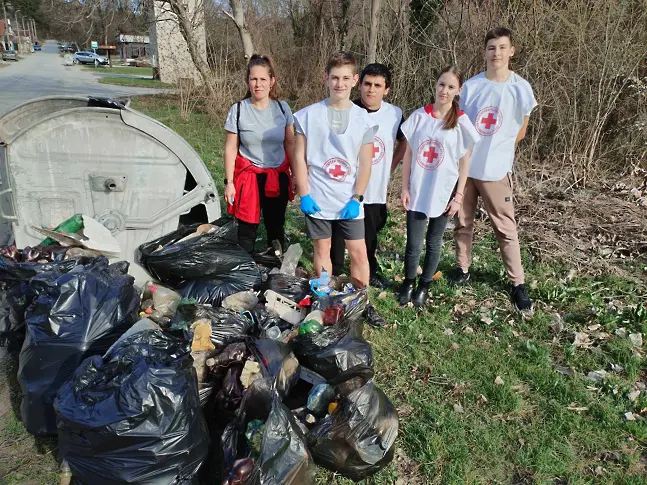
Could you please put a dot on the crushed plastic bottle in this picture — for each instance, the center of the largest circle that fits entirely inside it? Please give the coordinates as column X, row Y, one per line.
column 319, row 399
column 273, row 332
column 310, row 326
column 291, row 259
column 254, row 435
column 333, row 314
column 240, row 472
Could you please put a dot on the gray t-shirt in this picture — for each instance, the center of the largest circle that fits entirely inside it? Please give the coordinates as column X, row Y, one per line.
column 338, row 122
column 262, row 132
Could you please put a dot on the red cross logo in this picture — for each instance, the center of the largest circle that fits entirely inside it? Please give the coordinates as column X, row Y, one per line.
column 378, row 150
column 337, row 168
column 337, row 171
column 430, row 154
column 488, row 121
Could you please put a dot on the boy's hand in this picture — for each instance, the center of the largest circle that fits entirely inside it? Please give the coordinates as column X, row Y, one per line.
column 308, row 206
column 230, row 193
column 351, row 211
column 406, row 199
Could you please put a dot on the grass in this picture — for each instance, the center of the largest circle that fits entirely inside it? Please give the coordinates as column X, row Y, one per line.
column 135, row 71
column 542, row 422
column 135, row 82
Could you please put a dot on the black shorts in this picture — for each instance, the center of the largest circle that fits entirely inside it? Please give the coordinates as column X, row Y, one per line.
column 350, row 229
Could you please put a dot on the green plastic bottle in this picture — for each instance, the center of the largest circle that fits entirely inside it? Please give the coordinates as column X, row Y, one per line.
column 72, row 225
column 311, row 326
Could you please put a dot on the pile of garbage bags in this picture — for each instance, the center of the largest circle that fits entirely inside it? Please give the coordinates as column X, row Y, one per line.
column 224, row 368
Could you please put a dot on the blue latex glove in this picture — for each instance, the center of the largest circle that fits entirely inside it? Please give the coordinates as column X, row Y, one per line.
column 351, row 211
column 308, row 205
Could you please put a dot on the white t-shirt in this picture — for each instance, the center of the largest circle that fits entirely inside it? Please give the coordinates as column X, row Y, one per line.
column 435, row 153
column 497, row 111
column 332, row 158
column 388, row 119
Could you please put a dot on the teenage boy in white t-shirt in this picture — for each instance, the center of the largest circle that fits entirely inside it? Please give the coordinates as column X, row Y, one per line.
column 499, row 103
column 332, row 166
column 388, row 150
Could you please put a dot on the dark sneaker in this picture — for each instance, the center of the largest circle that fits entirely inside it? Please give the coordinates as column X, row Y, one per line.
column 378, row 282
column 372, row 317
column 458, row 277
column 406, row 290
column 519, row 297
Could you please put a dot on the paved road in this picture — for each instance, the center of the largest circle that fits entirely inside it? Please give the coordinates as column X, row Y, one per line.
column 44, row 74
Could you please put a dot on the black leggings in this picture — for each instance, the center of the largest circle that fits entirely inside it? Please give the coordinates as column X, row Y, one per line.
column 416, row 226
column 273, row 212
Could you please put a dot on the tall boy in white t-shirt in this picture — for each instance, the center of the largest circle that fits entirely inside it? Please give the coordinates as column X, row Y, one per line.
column 499, row 103
column 332, row 166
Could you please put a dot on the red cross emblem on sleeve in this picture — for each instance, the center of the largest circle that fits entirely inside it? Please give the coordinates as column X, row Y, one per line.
column 488, row 121
column 378, row 150
column 430, row 154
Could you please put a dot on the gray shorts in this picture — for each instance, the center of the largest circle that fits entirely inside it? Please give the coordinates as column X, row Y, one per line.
column 351, row 229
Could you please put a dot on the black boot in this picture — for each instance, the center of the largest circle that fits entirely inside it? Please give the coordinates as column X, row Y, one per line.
column 420, row 295
column 406, row 290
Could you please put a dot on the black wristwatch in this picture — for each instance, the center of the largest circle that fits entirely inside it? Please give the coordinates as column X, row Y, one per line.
column 360, row 198
column 227, row 181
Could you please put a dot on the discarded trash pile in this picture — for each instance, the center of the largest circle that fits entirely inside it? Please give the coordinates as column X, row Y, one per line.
column 225, row 368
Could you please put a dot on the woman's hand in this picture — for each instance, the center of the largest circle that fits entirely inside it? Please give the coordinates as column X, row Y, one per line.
column 230, row 193
column 452, row 208
column 406, row 199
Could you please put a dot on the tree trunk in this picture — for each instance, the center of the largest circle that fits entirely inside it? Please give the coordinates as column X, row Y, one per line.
column 372, row 35
column 238, row 17
column 187, row 30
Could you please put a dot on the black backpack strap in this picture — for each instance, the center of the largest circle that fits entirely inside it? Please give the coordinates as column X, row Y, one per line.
column 238, row 122
column 281, row 107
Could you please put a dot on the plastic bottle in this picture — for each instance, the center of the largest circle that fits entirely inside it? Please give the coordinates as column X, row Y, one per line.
column 333, row 314
column 66, row 473
column 319, row 399
column 311, row 326
column 320, row 285
column 291, row 259
column 70, row 226
column 273, row 332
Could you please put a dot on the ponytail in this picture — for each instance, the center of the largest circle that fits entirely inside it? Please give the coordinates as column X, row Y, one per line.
column 268, row 63
column 451, row 118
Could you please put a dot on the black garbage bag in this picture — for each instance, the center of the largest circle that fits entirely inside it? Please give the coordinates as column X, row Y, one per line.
column 338, row 347
column 358, row 438
column 16, row 296
column 277, row 363
column 133, row 416
column 208, row 267
column 284, row 458
column 74, row 315
column 341, row 356
column 226, row 326
column 289, row 286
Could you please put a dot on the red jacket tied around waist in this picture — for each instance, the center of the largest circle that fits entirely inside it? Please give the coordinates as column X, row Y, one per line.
column 246, row 206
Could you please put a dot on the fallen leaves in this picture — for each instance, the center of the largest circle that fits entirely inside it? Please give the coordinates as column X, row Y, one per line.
column 633, row 395
column 557, row 325
column 458, row 408
column 582, row 340
column 574, row 407
column 498, row 381
column 636, row 339
column 448, row 331
column 596, row 375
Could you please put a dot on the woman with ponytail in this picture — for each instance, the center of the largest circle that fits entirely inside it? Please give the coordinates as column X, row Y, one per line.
column 435, row 167
column 259, row 149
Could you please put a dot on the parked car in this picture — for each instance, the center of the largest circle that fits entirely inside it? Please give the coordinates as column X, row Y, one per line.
column 89, row 58
column 37, row 47
column 9, row 56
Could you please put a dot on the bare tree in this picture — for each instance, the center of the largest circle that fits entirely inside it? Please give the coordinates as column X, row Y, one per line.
column 372, row 36
column 238, row 16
